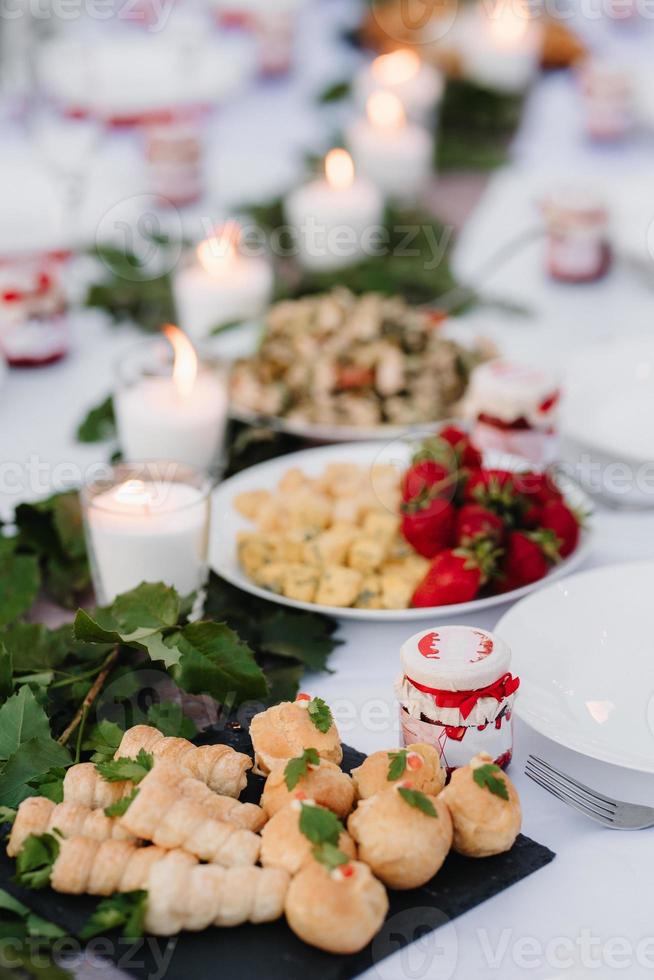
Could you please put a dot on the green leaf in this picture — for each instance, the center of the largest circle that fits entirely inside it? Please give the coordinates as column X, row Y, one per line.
column 296, row 768
column 30, row 761
column 418, row 800
column 36, row 859
column 125, row 912
column 335, row 93
column 99, row 423
column 330, row 855
column 19, row 585
column 396, row 764
column 320, row 825
column 6, row 672
column 169, row 718
column 148, row 606
column 118, row 770
column 21, row 718
column 213, row 660
column 320, row 715
column 50, row 784
column 34, row 647
column 89, row 631
column 304, row 637
column 103, row 740
column 488, row 777
column 162, row 649
column 7, row 814
column 221, row 328
column 122, row 805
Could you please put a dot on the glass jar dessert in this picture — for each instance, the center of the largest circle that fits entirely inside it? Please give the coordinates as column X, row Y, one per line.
column 456, row 693
column 578, row 247
column 34, row 329
column 512, row 409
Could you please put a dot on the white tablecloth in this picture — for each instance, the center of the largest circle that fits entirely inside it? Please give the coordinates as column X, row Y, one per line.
column 591, row 906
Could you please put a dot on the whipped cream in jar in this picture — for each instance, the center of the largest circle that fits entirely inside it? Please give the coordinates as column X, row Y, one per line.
column 456, row 693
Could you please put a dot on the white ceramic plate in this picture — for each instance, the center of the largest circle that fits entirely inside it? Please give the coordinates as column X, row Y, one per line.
column 227, row 522
column 583, row 649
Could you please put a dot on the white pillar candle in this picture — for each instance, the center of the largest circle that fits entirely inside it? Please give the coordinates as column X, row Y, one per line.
column 335, row 220
column 418, row 86
column 180, row 417
column 220, row 286
column 147, row 531
column 396, row 155
column 501, row 48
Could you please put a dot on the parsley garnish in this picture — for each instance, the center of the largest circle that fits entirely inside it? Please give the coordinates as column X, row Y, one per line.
column 329, row 855
column 417, row 799
column 320, row 825
column 134, row 770
column 487, row 778
column 126, row 911
column 35, row 860
column 122, row 805
column 320, row 715
column 7, row 814
column 396, row 764
column 297, row 768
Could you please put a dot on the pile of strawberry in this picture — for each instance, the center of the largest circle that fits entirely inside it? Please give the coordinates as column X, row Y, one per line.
column 486, row 531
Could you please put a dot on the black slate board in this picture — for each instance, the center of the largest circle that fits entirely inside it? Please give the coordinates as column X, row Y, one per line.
column 272, row 950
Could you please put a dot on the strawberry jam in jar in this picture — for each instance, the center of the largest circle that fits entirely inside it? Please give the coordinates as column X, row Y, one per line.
column 513, row 409
column 456, row 693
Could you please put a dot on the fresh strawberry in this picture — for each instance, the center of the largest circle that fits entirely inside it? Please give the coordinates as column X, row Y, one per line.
column 428, row 524
column 425, row 475
column 557, row 517
column 495, row 490
column 527, row 559
column 474, row 521
column 538, row 488
column 468, row 456
column 456, row 575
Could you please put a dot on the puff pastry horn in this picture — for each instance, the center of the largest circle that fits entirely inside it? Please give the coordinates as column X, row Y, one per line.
column 160, row 815
column 83, row 784
column 219, row 766
column 37, row 815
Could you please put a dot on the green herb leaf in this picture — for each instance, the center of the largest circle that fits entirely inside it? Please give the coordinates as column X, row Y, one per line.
column 122, row 805
column 396, row 764
column 171, row 721
column 418, row 800
column 21, row 718
column 320, row 825
column 30, row 762
column 335, row 93
column 320, row 715
column 297, row 768
column 19, row 585
column 50, row 784
column 34, row 647
column 99, row 423
column 103, row 740
column 213, row 660
column 487, row 777
column 6, row 672
column 36, row 859
column 119, row 770
column 330, row 856
column 7, row 814
column 125, row 912
column 221, row 328
column 34, row 925
column 304, row 638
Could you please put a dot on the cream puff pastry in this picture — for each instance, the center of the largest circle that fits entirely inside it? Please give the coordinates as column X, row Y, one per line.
column 285, row 730
column 419, row 763
column 37, row 815
column 485, row 808
column 219, row 766
column 325, row 783
column 404, row 838
column 338, row 911
column 283, row 845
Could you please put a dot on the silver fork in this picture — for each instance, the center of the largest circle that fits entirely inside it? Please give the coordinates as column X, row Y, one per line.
column 610, row 813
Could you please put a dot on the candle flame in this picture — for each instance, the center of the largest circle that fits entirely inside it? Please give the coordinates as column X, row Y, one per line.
column 215, row 254
column 509, row 21
column 185, row 363
column 397, row 67
column 339, row 169
column 385, row 110
column 134, row 493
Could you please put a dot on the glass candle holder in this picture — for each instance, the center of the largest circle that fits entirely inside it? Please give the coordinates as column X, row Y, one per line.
column 171, row 405
column 148, row 522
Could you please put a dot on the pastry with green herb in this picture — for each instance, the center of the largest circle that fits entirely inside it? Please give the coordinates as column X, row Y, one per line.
column 288, row 839
column 418, row 762
column 485, row 808
column 404, row 835
column 307, row 776
column 285, row 730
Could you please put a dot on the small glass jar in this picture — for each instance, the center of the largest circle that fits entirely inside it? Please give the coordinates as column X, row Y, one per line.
column 274, row 31
column 578, row 247
column 148, row 522
column 512, row 409
column 608, row 100
column 34, row 328
column 175, row 152
column 456, row 693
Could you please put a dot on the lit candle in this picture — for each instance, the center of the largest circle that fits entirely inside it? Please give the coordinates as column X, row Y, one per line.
column 501, row 48
column 402, row 72
column 219, row 285
column 180, row 415
column 393, row 153
column 144, row 525
column 335, row 219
